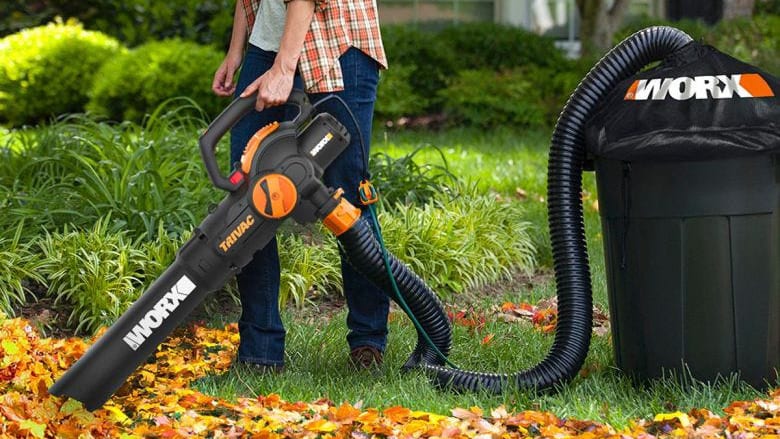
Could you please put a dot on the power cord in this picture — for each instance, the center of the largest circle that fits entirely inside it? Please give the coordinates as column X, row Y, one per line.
column 378, row 233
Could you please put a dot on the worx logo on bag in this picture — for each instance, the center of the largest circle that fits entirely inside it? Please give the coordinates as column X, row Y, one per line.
column 742, row 85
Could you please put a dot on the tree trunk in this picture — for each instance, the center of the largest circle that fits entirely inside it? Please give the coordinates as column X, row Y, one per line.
column 598, row 23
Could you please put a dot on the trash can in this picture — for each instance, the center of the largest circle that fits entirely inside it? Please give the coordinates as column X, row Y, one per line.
column 686, row 160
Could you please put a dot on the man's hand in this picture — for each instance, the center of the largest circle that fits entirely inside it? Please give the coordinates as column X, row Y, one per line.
column 273, row 87
column 223, row 84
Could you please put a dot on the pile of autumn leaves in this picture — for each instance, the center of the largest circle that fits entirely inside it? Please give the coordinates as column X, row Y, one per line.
column 157, row 402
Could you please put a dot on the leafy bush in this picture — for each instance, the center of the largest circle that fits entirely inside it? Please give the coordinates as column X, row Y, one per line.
column 133, row 84
column 160, row 252
column 77, row 171
column 132, row 21
column 18, row 266
column 498, row 47
column 767, row 7
column 396, row 97
column 553, row 86
column 433, row 60
column 307, row 268
column 486, row 98
column 95, row 274
column 458, row 244
column 453, row 244
column 405, row 181
column 48, row 70
column 755, row 40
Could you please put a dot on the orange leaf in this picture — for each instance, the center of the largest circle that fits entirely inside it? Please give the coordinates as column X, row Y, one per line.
column 397, row 413
column 344, row 414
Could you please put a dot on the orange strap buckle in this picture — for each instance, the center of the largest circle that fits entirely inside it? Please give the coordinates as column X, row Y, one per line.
column 368, row 195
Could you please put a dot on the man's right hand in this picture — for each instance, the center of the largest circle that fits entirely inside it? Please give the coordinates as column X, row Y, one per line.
column 223, row 84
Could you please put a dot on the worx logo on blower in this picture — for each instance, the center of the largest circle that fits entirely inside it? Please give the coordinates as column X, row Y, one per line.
column 161, row 310
column 744, row 85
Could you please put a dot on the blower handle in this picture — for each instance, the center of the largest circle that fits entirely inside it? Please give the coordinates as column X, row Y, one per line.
column 222, row 123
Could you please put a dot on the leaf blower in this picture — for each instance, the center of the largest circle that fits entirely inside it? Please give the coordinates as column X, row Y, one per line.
column 278, row 177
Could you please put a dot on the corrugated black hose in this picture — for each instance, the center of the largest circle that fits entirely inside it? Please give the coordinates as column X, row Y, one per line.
column 365, row 253
column 567, row 229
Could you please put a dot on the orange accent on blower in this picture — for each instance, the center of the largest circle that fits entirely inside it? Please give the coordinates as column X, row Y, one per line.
column 274, row 196
column 253, row 144
column 343, row 217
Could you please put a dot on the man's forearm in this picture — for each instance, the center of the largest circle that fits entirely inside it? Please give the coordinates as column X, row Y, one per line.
column 238, row 37
column 299, row 16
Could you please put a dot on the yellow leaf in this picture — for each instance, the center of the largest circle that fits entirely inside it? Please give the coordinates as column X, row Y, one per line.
column 321, row 426
column 680, row 416
column 417, row 427
column 118, row 415
column 431, row 417
column 37, row 430
column 10, row 347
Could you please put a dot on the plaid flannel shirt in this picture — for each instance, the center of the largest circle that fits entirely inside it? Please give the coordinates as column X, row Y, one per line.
column 337, row 25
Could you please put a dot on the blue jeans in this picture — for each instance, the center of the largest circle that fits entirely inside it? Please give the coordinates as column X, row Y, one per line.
column 260, row 325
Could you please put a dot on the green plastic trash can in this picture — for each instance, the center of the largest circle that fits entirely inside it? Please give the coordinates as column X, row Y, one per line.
column 688, row 182
column 692, row 266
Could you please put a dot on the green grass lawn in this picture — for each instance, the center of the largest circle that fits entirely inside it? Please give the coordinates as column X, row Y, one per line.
column 500, row 161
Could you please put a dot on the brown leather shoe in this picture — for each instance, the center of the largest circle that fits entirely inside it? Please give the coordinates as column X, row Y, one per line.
column 365, row 357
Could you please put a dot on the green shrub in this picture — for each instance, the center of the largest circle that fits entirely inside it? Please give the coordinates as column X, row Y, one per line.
column 78, row 170
column 48, row 70
column 95, row 275
column 462, row 243
column 396, row 97
column 18, row 266
column 767, row 7
column 403, row 180
column 132, row 21
column 486, row 98
column 554, row 87
column 433, row 60
column 755, row 40
column 132, row 85
column 453, row 244
column 498, row 47
column 308, row 269
column 160, row 252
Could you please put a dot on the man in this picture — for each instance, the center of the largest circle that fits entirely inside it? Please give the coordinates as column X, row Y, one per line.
column 323, row 46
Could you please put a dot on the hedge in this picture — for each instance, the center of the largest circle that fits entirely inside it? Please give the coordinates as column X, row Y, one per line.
column 133, row 84
column 48, row 70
